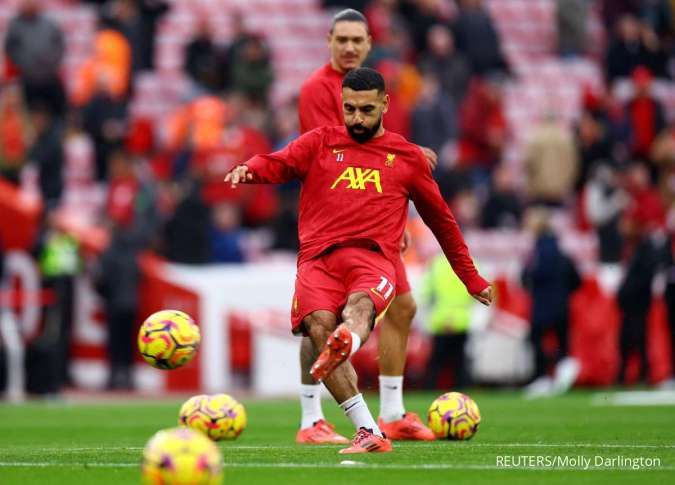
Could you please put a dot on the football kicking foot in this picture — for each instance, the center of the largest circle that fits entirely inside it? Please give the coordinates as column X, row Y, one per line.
column 320, row 433
column 408, row 428
column 337, row 350
column 365, row 441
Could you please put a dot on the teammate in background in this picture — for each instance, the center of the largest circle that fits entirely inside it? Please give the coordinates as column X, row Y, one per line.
column 356, row 183
column 320, row 104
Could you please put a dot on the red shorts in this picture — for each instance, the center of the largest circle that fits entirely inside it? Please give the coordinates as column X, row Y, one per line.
column 402, row 284
column 325, row 282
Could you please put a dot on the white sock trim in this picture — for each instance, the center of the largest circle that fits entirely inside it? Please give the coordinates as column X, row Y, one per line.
column 356, row 409
column 391, row 398
column 310, row 405
column 356, row 343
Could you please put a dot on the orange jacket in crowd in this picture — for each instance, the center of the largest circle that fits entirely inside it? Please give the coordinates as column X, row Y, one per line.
column 199, row 124
column 108, row 69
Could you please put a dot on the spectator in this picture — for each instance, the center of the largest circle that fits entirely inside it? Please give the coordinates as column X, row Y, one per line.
column 108, row 70
column 137, row 21
column 205, row 63
column 482, row 129
column 449, row 66
column 477, row 38
column 198, row 125
column 434, row 118
column 186, row 237
column 645, row 116
column 503, row 208
column 635, row 296
column 593, row 145
column 449, row 320
column 634, row 45
column 380, row 15
column 251, row 69
column 604, row 202
column 48, row 155
column 59, row 262
column 644, row 212
column 227, row 239
column 642, row 227
column 550, row 277
column 124, row 17
column 551, row 163
column 396, row 45
column 15, row 133
column 104, row 118
column 151, row 13
column 35, row 45
column 572, row 19
column 131, row 216
column 421, row 15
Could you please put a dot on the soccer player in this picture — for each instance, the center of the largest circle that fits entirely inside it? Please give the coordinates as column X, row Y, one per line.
column 320, row 104
column 356, row 183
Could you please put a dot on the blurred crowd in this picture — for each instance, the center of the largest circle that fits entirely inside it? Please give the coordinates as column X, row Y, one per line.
column 611, row 172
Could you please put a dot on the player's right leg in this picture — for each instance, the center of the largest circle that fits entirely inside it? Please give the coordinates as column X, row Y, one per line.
column 315, row 289
column 342, row 384
column 314, row 428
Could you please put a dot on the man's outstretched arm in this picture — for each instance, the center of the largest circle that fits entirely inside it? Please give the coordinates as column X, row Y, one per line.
column 437, row 215
column 289, row 163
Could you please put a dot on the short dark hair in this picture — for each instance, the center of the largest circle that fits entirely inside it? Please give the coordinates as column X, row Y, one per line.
column 349, row 15
column 363, row 79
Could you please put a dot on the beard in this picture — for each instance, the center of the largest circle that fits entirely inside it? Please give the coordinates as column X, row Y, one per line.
column 362, row 134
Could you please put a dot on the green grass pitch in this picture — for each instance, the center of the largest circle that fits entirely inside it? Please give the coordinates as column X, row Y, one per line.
column 101, row 443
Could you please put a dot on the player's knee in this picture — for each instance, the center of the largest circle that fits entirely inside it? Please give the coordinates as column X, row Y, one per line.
column 403, row 309
column 319, row 325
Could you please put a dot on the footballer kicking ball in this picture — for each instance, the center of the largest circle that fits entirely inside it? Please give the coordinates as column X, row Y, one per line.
column 454, row 416
column 181, row 456
column 168, row 339
column 220, row 417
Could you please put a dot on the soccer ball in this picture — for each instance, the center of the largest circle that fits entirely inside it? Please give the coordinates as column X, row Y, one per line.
column 168, row 339
column 220, row 416
column 181, row 456
column 454, row 416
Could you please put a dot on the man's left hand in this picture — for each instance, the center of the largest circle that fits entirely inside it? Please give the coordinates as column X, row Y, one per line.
column 485, row 296
column 431, row 157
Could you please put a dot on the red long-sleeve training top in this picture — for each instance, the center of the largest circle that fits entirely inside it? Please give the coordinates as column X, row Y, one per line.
column 359, row 191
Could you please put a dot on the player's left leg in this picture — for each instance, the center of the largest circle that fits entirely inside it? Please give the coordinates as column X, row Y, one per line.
column 392, row 346
column 342, row 384
column 358, row 318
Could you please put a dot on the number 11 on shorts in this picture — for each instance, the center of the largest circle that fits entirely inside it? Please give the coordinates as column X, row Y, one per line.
column 385, row 288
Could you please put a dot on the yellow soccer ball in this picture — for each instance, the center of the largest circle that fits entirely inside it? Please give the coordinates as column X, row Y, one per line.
column 168, row 339
column 454, row 416
column 220, row 417
column 181, row 456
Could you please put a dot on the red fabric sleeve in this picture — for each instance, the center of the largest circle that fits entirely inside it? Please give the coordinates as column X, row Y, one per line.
column 315, row 108
column 292, row 161
column 436, row 214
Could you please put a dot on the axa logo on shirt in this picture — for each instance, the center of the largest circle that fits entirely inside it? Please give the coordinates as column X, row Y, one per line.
column 358, row 178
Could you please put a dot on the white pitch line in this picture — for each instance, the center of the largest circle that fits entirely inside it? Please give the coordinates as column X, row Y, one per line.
column 375, row 466
column 33, row 450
